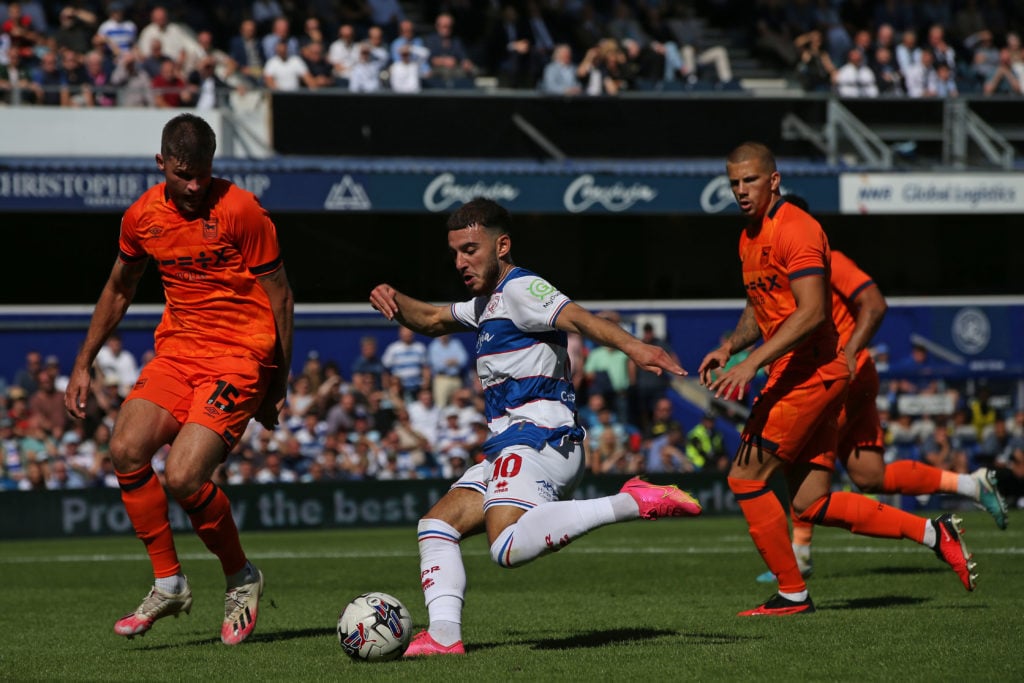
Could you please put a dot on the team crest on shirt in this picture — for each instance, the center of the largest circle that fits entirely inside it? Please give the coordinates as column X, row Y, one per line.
column 156, row 231
column 210, row 229
column 766, row 253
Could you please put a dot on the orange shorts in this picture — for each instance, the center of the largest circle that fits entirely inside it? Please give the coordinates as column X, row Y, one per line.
column 221, row 393
column 859, row 424
column 798, row 422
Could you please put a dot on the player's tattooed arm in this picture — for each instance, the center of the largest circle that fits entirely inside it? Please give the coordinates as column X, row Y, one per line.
column 746, row 333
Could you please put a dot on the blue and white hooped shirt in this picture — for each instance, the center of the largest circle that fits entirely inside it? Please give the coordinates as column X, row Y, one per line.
column 522, row 362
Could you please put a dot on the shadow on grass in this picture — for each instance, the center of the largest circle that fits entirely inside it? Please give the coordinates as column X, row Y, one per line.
column 267, row 637
column 620, row 636
column 881, row 601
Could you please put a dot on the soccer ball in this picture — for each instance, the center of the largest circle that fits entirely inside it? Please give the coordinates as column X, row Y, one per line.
column 374, row 627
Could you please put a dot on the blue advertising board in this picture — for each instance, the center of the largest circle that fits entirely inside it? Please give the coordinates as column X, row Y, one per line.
column 407, row 187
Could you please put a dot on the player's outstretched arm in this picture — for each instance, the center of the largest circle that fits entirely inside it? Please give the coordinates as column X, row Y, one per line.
column 114, row 300
column 575, row 318
column 418, row 316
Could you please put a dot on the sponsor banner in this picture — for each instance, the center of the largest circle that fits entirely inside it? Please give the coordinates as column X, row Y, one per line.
column 272, row 507
column 931, row 193
column 29, row 189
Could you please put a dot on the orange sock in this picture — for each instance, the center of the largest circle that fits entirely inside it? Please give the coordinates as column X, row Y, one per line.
column 864, row 516
column 802, row 531
column 769, row 529
column 210, row 512
column 146, row 504
column 912, row 477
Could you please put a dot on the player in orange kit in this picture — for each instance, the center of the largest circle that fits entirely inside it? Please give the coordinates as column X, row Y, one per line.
column 793, row 425
column 858, row 308
column 223, row 351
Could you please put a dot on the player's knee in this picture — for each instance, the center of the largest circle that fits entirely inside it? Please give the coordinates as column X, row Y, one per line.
column 124, row 457
column 501, row 550
column 869, row 483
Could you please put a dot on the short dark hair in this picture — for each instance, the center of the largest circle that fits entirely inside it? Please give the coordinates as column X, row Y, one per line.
column 484, row 212
column 753, row 151
column 190, row 140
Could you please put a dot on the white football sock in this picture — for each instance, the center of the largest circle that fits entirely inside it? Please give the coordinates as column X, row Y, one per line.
column 550, row 526
column 930, row 537
column 795, row 597
column 968, row 486
column 443, row 578
column 171, row 584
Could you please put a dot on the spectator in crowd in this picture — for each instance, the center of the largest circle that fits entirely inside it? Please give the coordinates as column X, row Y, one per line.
column 368, row 362
column 448, row 56
column 887, row 73
column 320, row 70
column 418, row 53
column 21, row 31
column 47, row 405
column 667, row 453
column 607, row 371
column 16, row 84
column 286, row 72
column 561, row 76
column 705, row 447
column 945, row 82
column 27, row 378
column 378, row 46
column 907, row 52
column 601, row 70
column 606, row 454
column 49, row 81
column 312, row 32
column 366, row 72
column 449, row 362
column 647, row 386
column 77, row 92
column 406, row 359
column 51, row 367
column 940, row 49
column 510, row 51
column 205, row 87
column 134, row 86
column 919, row 77
column 247, row 53
column 117, row 34
column 281, row 31
column 343, row 53
column 815, row 68
column 98, row 79
column 177, row 41
column 425, row 415
column 662, row 419
column 1005, row 80
column 855, row 78
column 404, row 74
column 984, row 56
column 170, row 88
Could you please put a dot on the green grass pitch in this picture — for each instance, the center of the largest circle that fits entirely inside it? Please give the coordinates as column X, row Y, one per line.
column 636, row 601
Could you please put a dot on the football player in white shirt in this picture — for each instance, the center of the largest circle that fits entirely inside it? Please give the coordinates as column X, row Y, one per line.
column 521, row 494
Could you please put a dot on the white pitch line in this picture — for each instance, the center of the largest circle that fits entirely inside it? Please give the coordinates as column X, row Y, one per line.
column 582, row 549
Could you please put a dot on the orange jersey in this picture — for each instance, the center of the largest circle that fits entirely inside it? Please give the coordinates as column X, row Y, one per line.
column 848, row 281
column 788, row 245
column 209, row 268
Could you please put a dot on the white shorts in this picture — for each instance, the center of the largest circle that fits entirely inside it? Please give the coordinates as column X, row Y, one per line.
column 524, row 478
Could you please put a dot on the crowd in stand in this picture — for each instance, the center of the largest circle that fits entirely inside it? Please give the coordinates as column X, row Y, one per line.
column 414, row 410
column 897, row 48
column 190, row 54
column 176, row 53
